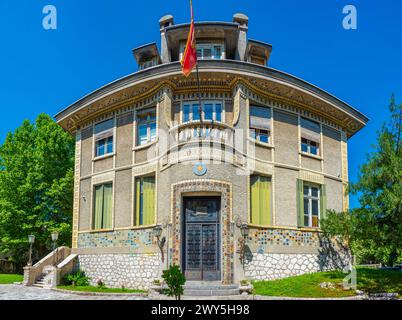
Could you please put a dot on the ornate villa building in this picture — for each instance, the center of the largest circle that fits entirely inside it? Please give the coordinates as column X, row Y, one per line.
column 228, row 177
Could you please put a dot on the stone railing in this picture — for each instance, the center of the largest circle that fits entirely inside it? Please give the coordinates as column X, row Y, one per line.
column 32, row 273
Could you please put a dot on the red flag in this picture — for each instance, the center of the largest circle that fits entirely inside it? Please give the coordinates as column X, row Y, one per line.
column 189, row 60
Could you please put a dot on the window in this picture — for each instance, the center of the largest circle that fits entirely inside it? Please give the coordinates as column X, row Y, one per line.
column 144, row 201
column 311, row 204
column 309, row 146
column 310, row 136
column 104, row 138
column 148, row 63
column 211, row 111
column 102, row 216
column 146, row 126
column 260, row 202
column 209, row 51
column 260, row 123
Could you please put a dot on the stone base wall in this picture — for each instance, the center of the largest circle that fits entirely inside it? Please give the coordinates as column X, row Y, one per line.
column 133, row 271
column 270, row 266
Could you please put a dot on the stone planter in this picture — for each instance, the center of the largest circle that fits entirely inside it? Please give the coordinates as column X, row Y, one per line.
column 156, row 289
column 246, row 289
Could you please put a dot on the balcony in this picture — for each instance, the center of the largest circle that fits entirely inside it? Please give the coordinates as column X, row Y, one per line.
column 206, row 131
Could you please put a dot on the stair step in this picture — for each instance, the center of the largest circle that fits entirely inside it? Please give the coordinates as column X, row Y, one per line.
column 210, row 287
column 208, row 292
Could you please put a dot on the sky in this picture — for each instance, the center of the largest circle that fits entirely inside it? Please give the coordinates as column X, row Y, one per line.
column 47, row 70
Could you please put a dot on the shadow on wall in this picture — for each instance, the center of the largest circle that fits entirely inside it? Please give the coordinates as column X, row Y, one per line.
column 333, row 255
column 248, row 255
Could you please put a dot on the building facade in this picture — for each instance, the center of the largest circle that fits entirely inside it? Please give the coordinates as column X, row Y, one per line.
column 197, row 162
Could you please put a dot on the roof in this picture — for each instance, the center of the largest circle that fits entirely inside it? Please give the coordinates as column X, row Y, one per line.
column 293, row 85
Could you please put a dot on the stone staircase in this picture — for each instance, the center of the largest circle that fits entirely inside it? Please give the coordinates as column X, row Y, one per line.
column 41, row 281
column 205, row 289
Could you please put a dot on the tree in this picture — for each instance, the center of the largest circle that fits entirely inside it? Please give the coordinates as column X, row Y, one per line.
column 375, row 229
column 36, row 187
column 175, row 281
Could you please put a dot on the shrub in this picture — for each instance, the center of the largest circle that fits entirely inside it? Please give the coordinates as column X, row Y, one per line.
column 100, row 284
column 175, row 281
column 77, row 279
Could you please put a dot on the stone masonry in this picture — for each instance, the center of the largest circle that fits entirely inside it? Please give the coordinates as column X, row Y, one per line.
column 133, row 271
column 277, row 266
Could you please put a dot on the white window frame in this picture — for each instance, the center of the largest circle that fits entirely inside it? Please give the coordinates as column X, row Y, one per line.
column 209, row 45
column 257, row 129
column 212, row 47
column 105, row 136
column 309, row 146
column 148, row 122
column 148, row 63
column 203, row 103
column 310, row 199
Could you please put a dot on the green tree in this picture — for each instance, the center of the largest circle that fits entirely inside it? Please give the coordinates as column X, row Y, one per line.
column 375, row 229
column 36, row 187
column 175, row 281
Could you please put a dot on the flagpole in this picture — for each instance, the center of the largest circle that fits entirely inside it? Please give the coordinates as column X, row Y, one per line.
column 199, row 94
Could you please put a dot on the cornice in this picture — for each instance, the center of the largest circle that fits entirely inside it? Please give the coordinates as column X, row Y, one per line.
column 216, row 76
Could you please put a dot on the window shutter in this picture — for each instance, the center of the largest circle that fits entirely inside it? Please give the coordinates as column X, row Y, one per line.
column 323, row 201
column 300, row 203
column 255, row 200
column 137, row 202
column 149, row 200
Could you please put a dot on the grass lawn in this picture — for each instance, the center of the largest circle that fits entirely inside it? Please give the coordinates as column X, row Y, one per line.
column 308, row 285
column 96, row 289
column 10, row 278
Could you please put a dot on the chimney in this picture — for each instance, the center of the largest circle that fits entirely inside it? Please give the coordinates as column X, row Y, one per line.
column 164, row 22
column 242, row 20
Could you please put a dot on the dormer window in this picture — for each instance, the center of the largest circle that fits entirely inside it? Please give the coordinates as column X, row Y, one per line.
column 148, row 63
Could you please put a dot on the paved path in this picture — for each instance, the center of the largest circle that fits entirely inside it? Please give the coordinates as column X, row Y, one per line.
column 19, row 292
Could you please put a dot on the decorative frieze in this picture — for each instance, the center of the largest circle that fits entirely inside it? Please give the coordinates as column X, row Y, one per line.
column 285, row 237
column 76, row 199
column 134, row 239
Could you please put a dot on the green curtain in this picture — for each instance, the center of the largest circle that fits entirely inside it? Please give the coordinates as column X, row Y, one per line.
column 149, row 200
column 97, row 220
column 260, row 200
column 107, row 206
column 300, row 203
column 323, row 201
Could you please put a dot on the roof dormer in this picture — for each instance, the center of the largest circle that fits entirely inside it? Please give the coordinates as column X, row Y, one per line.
column 258, row 52
column 147, row 56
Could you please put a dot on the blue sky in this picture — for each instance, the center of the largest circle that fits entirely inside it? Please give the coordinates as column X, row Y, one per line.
column 45, row 71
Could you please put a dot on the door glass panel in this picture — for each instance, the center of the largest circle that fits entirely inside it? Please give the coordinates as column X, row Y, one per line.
column 193, row 245
column 209, row 247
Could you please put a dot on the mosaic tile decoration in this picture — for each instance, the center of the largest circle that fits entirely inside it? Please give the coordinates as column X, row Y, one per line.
column 284, row 237
column 125, row 238
column 205, row 185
